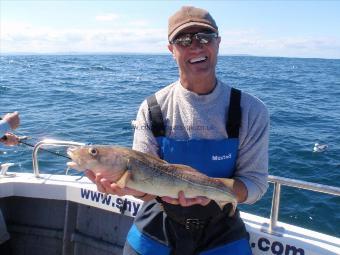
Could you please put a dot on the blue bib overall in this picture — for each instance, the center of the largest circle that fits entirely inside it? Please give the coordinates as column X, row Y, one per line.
column 162, row 228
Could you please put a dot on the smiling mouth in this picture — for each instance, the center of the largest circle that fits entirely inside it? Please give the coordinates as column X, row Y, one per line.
column 198, row 60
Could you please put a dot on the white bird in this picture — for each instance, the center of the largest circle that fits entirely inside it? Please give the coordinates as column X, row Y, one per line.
column 320, row 147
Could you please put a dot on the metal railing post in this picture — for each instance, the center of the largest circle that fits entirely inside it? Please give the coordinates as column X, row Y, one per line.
column 274, row 213
column 49, row 142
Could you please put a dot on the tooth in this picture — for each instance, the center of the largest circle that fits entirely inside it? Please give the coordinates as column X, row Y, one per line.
column 197, row 59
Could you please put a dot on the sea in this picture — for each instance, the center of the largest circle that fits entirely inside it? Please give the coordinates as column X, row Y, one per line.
column 94, row 98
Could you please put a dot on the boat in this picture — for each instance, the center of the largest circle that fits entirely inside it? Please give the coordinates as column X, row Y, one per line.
column 48, row 214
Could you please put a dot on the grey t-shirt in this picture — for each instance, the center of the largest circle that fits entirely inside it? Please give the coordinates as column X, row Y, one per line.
column 188, row 115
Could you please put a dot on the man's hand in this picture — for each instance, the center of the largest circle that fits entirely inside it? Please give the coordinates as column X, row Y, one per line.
column 12, row 119
column 183, row 201
column 10, row 139
column 105, row 186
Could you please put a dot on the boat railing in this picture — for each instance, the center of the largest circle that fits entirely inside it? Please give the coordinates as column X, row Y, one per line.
column 271, row 228
column 48, row 142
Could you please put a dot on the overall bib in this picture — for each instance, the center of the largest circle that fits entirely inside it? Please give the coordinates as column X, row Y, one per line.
column 161, row 228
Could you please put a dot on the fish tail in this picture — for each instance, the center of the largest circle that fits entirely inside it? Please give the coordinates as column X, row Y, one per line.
column 231, row 213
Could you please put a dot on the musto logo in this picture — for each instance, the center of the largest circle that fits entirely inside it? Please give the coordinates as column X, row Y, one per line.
column 221, row 157
column 276, row 248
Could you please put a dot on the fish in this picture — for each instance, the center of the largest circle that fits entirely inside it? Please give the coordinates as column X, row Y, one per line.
column 150, row 174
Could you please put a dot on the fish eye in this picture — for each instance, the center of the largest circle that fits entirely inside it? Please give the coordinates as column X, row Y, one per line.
column 93, row 151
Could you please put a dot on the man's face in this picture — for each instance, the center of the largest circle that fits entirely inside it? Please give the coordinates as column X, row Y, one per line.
column 196, row 61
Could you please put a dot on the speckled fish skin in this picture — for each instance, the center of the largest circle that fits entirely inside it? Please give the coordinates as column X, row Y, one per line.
column 148, row 173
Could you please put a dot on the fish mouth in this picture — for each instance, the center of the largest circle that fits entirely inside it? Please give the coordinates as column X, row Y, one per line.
column 197, row 60
column 70, row 152
column 73, row 164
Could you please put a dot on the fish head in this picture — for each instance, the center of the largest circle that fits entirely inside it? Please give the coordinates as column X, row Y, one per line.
column 108, row 160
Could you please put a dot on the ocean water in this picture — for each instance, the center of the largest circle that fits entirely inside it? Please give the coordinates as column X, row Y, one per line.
column 93, row 98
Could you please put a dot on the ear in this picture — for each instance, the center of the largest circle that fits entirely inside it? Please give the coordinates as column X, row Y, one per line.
column 171, row 49
column 218, row 41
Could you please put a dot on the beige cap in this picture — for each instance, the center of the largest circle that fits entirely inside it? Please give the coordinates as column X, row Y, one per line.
column 189, row 16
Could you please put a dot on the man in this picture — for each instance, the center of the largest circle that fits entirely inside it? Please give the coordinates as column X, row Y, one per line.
column 201, row 122
column 8, row 122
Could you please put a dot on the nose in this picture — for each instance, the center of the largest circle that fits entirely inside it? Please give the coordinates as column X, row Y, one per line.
column 195, row 44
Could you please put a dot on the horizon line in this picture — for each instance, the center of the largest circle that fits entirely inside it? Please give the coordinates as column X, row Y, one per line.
column 145, row 53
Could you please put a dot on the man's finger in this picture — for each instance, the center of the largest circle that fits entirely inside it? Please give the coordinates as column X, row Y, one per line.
column 99, row 176
column 106, row 185
column 182, row 200
column 90, row 175
column 170, row 200
column 100, row 187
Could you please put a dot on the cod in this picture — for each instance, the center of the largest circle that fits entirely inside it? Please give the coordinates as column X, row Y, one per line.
column 149, row 174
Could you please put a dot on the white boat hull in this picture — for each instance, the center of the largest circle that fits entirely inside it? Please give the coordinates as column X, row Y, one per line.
column 58, row 214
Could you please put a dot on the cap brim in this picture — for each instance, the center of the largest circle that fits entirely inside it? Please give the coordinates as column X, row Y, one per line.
column 187, row 25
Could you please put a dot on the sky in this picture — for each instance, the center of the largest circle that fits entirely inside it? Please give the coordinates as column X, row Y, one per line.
column 262, row 28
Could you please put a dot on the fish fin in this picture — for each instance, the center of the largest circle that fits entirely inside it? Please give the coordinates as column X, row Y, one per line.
column 227, row 182
column 124, row 179
column 221, row 204
column 186, row 169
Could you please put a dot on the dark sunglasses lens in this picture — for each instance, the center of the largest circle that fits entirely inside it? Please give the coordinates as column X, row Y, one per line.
column 204, row 38
column 183, row 40
column 186, row 41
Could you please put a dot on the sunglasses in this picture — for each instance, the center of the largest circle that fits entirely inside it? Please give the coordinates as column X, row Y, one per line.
column 186, row 39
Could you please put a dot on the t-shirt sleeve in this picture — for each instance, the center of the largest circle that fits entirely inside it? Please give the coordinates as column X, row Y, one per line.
column 252, row 162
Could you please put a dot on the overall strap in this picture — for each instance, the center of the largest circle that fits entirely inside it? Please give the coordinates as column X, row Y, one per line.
column 156, row 117
column 234, row 114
